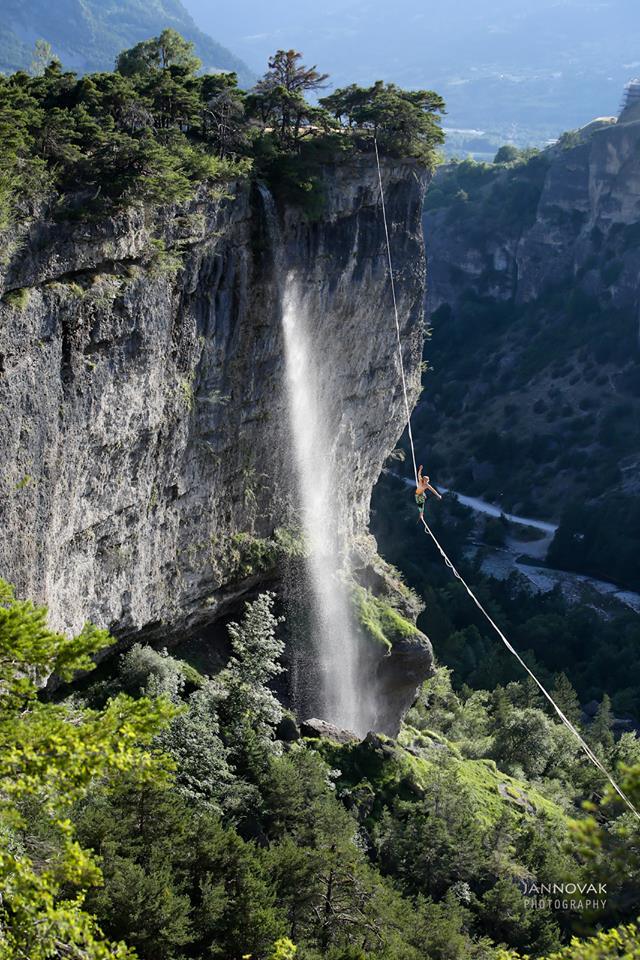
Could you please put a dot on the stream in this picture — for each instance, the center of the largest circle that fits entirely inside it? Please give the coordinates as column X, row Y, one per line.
column 500, row 562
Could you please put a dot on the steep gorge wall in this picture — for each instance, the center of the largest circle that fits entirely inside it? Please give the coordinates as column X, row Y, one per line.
column 534, row 301
column 581, row 215
column 143, row 429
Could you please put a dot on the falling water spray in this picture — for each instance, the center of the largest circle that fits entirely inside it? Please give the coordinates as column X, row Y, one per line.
column 314, row 449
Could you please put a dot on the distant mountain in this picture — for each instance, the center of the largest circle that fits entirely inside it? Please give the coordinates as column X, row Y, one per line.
column 524, row 70
column 88, row 34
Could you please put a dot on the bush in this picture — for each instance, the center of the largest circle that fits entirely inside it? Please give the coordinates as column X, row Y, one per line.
column 145, row 671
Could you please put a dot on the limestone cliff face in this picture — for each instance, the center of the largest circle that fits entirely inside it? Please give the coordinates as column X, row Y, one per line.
column 144, row 447
column 534, row 301
column 581, row 217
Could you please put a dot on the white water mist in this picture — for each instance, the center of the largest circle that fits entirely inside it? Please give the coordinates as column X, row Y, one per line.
column 336, row 645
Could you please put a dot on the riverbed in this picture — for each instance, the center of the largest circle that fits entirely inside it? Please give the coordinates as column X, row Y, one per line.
column 520, row 555
column 502, row 561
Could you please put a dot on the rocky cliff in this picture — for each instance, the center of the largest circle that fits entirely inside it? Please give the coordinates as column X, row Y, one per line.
column 146, row 477
column 561, row 210
column 533, row 268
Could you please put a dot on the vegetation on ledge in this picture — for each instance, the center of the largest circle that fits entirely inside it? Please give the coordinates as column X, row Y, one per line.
column 379, row 620
column 155, row 128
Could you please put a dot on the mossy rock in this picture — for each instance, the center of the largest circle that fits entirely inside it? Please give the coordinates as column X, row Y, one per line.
column 17, row 299
column 248, row 555
column 379, row 620
column 396, row 773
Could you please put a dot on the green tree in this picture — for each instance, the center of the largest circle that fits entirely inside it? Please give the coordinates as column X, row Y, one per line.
column 223, row 118
column 621, row 943
column 141, row 832
column 283, row 949
column 145, row 671
column 525, row 741
column 506, row 914
column 567, row 699
column 405, row 122
column 287, row 71
column 608, row 841
column 175, row 877
column 507, row 154
column 22, row 171
column 236, row 912
column 279, row 97
column 250, row 709
column 42, row 55
column 441, row 931
column 50, row 756
column 159, row 53
column 204, row 774
column 601, row 727
column 434, row 843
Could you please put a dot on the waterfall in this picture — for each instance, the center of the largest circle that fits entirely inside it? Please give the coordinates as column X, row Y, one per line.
column 330, row 680
column 336, row 647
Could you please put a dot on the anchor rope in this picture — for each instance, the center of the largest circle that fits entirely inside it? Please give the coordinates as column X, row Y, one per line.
column 405, row 392
column 591, row 756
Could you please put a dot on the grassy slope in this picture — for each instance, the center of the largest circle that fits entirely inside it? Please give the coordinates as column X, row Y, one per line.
column 404, row 769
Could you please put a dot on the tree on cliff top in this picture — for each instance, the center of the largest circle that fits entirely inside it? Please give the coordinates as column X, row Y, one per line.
column 405, row 122
column 279, row 97
column 286, row 70
column 159, row 53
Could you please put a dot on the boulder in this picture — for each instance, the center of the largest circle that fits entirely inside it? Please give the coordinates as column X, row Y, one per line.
column 321, row 729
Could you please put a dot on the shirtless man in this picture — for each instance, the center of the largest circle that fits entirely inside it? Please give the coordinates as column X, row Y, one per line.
column 421, row 491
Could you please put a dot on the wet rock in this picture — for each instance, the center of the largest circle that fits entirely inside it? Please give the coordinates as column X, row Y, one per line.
column 399, row 677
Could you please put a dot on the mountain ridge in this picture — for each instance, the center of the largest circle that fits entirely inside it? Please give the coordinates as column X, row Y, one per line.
column 100, row 32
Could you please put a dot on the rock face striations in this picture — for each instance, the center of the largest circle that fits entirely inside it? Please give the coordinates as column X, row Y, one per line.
column 583, row 196
column 533, row 267
column 146, row 475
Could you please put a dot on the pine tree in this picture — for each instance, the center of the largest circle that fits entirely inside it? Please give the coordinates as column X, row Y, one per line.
column 279, row 97
column 159, row 53
column 249, row 706
column 601, row 727
column 49, row 758
column 566, row 697
column 42, row 56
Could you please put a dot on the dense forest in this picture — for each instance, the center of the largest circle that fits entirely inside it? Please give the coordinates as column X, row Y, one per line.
column 180, row 815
